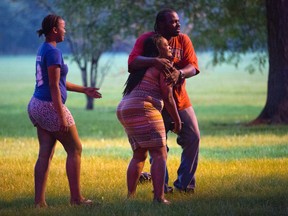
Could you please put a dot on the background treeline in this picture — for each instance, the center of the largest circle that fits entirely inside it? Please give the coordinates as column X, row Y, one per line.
column 220, row 25
column 20, row 19
column 19, row 23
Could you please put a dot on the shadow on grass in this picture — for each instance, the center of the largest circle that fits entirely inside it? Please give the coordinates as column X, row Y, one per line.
column 212, row 128
column 244, row 201
column 250, row 152
column 102, row 122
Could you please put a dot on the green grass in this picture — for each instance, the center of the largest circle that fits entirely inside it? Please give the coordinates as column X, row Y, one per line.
column 242, row 170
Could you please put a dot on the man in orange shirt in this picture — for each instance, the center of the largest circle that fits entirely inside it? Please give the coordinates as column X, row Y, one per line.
column 185, row 65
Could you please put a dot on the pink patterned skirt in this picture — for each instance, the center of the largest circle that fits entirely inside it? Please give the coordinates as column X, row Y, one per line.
column 43, row 114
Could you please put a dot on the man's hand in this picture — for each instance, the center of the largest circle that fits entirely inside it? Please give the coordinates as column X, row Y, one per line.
column 164, row 65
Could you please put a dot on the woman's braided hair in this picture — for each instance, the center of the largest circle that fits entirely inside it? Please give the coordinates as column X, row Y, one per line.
column 48, row 23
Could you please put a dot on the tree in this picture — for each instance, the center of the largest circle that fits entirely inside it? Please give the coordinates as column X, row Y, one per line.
column 91, row 30
column 275, row 110
column 236, row 27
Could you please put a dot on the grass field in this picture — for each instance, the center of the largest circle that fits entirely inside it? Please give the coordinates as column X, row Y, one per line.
column 242, row 170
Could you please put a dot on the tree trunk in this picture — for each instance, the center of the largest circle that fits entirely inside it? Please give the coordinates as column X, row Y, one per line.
column 276, row 107
column 90, row 103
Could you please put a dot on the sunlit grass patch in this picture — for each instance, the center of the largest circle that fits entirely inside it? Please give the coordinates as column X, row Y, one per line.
column 233, row 186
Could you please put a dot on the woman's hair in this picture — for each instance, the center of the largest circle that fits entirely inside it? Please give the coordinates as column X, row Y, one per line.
column 48, row 23
column 161, row 17
column 150, row 49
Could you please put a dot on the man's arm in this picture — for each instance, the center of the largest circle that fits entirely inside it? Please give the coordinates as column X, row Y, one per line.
column 141, row 62
column 188, row 71
column 136, row 61
column 189, row 63
column 184, row 73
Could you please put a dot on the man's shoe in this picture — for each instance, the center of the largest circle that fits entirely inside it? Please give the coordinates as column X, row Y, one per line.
column 188, row 190
column 145, row 177
column 168, row 189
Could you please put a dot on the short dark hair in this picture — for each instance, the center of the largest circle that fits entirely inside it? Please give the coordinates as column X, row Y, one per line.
column 161, row 16
column 48, row 23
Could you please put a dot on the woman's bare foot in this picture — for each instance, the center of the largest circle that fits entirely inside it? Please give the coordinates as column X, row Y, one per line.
column 162, row 201
column 41, row 205
column 83, row 201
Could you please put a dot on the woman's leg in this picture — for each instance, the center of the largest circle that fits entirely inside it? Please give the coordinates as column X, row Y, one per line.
column 41, row 170
column 72, row 145
column 134, row 170
column 158, row 167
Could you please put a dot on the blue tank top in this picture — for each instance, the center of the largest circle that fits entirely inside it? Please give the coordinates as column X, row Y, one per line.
column 49, row 55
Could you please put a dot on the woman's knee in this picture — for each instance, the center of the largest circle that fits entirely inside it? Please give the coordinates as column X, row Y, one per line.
column 75, row 149
column 70, row 142
column 72, row 147
column 46, row 150
column 140, row 154
column 158, row 153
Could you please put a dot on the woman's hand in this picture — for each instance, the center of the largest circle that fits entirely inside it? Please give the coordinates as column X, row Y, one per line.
column 92, row 92
column 171, row 74
column 63, row 125
column 175, row 75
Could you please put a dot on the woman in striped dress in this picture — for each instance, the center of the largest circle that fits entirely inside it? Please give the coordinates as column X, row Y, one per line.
column 139, row 112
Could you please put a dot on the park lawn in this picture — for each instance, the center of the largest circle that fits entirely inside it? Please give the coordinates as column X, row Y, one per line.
column 232, row 179
column 242, row 170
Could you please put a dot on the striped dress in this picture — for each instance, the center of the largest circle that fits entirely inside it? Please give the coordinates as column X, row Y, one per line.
column 140, row 113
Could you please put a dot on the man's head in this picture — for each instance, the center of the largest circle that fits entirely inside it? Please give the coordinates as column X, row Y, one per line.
column 167, row 23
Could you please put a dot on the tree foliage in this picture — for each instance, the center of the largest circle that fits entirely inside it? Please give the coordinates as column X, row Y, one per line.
column 226, row 28
column 18, row 27
column 232, row 28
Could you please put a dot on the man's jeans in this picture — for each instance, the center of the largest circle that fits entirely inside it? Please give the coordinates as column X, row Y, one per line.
column 189, row 140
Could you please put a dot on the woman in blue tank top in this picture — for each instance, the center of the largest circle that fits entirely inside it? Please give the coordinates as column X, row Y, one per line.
column 51, row 117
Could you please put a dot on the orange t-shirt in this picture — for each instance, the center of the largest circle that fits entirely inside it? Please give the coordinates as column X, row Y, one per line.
column 184, row 54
